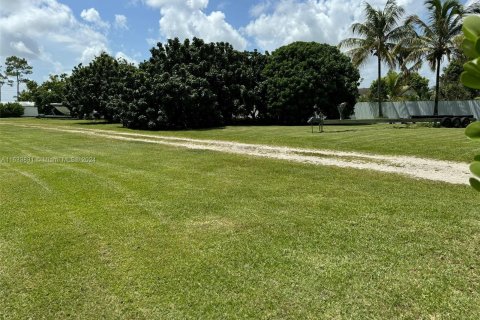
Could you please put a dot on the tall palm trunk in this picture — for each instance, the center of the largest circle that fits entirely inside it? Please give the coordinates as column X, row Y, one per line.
column 379, row 86
column 437, row 88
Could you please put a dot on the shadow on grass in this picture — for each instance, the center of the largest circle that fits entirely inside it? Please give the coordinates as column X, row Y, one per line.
column 201, row 129
column 99, row 123
column 96, row 123
column 335, row 131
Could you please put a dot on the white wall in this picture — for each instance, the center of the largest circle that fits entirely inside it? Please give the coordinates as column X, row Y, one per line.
column 30, row 112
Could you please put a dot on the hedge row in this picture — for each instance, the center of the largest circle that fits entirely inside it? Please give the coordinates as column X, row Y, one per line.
column 196, row 84
column 11, row 110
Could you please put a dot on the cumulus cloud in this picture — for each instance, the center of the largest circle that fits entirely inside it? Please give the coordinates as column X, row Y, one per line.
column 261, row 7
column 187, row 19
column 20, row 46
column 121, row 22
column 278, row 23
column 312, row 20
column 91, row 15
column 37, row 29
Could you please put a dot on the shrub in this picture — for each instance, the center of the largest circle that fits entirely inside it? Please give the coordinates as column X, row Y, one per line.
column 11, row 110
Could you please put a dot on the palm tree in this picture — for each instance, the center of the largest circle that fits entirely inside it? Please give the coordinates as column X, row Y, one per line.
column 396, row 86
column 380, row 36
column 438, row 36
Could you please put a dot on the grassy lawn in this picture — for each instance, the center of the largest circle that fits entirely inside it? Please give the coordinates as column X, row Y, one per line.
column 439, row 143
column 151, row 231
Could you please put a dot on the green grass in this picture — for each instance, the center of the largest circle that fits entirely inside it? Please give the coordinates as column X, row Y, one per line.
column 439, row 143
column 150, row 231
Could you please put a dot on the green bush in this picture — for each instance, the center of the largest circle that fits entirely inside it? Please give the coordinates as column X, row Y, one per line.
column 11, row 110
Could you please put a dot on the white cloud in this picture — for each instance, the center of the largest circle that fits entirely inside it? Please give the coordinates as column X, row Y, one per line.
column 91, row 15
column 260, row 8
column 121, row 55
column 187, row 19
column 91, row 52
column 21, row 47
column 48, row 35
column 35, row 29
column 192, row 4
column 121, row 22
column 290, row 20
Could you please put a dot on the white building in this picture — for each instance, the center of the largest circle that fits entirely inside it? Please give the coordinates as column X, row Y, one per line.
column 30, row 109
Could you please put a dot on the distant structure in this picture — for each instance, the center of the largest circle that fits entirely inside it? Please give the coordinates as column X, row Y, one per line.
column 318, row 118
column 341, row 108
column 409, row 109
column 58, row 109
column 30, row 110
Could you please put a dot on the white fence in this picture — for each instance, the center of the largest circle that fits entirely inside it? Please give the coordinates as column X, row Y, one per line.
column 406, row 109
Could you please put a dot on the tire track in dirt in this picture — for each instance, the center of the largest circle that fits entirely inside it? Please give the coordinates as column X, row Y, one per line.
column 414, row 167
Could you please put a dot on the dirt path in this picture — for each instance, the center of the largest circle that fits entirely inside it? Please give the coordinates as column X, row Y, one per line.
column 419, row 168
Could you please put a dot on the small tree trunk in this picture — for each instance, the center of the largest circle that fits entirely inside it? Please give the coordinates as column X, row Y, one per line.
column 379, row 86
column 437, row 89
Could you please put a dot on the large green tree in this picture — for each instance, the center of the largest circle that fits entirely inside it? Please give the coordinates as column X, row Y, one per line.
column 90, row 89
column 379, row 35
column 29, row 93
column 438, row 36
column 18, row 68
column 304, row 74
column 196, row 84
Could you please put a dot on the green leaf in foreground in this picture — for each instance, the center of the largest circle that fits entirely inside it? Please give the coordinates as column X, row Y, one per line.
column 475, row 168
column 471, row 27
column 471, row 30
column 473, row 130
column 469, row 49
column 471, row 76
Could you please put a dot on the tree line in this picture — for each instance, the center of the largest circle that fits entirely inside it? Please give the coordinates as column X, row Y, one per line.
column 194, row 84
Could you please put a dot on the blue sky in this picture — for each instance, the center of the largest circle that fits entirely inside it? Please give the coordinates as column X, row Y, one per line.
column 56, row 35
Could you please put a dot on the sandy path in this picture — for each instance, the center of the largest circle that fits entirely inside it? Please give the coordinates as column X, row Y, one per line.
column 414, row 167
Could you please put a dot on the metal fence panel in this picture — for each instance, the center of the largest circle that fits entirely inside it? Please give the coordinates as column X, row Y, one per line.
column 406, row 109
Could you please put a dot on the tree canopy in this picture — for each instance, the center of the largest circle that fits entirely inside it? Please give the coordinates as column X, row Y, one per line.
column 400, row 87
column 18, row 68
column 52, row 90
column 190, row 84
column 304, row 74
column 92, row 89
column 452, row 88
